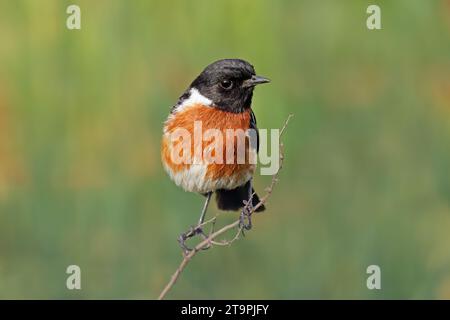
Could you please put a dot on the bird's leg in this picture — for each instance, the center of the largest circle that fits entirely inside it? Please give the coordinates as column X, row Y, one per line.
column 247, row 210
column 195, row 230
column 205, row 207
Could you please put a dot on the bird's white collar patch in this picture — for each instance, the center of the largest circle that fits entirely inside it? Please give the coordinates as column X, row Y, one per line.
column 195, row 97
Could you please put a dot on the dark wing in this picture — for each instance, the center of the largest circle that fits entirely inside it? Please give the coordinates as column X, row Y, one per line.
column 253, row 126
column 183, row 97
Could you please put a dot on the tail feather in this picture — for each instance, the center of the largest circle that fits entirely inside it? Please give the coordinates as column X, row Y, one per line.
column 234, row 199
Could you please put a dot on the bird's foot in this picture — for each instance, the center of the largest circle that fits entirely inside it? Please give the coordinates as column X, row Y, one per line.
column 191, row 233
column 245, row 218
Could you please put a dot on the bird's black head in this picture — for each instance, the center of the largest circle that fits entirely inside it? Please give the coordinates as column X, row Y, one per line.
column 229, row 84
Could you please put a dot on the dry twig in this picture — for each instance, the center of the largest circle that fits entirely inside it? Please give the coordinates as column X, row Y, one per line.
column 210, row 241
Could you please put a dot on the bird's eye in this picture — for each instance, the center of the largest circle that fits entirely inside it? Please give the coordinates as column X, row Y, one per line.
column 226, row 84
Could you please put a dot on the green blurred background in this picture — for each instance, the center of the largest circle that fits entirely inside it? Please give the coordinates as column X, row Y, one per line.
column 367, row 173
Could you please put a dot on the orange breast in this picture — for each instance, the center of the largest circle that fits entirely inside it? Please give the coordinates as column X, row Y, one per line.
column 211, row 118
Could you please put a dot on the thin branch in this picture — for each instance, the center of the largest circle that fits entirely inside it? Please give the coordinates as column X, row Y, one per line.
column 209, row 241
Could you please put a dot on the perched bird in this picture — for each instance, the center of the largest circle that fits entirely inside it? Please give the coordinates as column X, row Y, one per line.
column 219, row 98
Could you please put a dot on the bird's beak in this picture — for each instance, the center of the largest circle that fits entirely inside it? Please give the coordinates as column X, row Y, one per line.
column 255, row 80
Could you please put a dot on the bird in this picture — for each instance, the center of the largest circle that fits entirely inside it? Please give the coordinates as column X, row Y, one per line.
column 219, row 98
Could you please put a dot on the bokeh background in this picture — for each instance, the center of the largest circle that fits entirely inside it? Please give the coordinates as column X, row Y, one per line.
column 367, row 172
